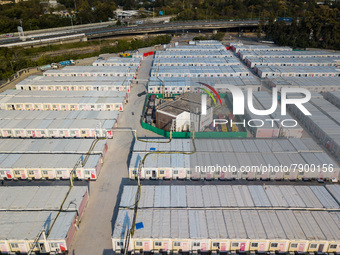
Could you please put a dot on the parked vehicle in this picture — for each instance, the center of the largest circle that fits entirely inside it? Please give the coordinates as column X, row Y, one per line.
column 125, row 55
column 67, row 62
column 54, row 65
column 45, row 67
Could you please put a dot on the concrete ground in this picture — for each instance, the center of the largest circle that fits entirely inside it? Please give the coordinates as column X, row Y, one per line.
column 94, row 234
column 11, row 85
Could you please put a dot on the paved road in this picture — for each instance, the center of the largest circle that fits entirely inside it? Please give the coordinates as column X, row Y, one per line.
column 94, row 235
column 157, row 27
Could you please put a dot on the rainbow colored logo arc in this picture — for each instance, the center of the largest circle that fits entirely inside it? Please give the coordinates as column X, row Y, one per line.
column 209, row 93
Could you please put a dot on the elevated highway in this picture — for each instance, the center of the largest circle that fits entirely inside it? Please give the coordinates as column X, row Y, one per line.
column 95, row 32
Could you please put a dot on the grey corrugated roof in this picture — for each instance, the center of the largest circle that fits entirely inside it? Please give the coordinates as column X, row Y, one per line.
column 194, row 196
column 39, row 197
column 329, row 227
column 50, row 146
column 179, row 224
column 123, row 224
column 210, row 197
column 253, row 224
column 216, row 225
column 197, row 224
column 144, row 216
column 272, row 225
column 259, row 196
column 178, row 199
column 146, row 199
column 162, row 196
column 243, row 196
column 234, row 224
column 292, row 197
column 335, row 191
column 310, row 227
column 61, row 226
column 26, row 225
column 226, row 195
column 290, row 225
column 203, row 224
column 324, row 197
column 308, row 197
column 128, row 196
column 161, row 224
column 217, row 196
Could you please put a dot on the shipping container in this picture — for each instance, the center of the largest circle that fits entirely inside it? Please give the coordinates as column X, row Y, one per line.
column 323, row 123
column 75, row 83
column 313, row 84
column 62, row 101
column 282, row 53
column 57, row 124
column 89, row 71
column 117, row 61
column 262, row 159
column 29, row 210
column 297, row 71
column 179, row 85
column 333, row 97
column 54, row 166
column 223, row 218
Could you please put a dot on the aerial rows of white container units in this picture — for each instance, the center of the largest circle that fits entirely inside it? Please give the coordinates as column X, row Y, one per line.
column 233, row 196
column 52, row 146
column 230, row 218
column 21, row 158
column 186, row 84
column 274, row 159
column 223, row 53
column 333, row 97
column 298, row 71
column 206, row 61
column 71, row 83
column 316, row 84
column 268, row 126
column 199, row 71
column 323, row 123
column 198, row 47
column 57, row 124
column 239, row 46
column 288, row 54
column 63, row 100
column 118, row 61
column 256, row 62
column 89, row 71
column 30, row 166
column 25, row 211
column 206, row 42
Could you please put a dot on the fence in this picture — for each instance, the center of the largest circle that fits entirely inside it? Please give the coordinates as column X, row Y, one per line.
column 18, row 74
column 197, row 134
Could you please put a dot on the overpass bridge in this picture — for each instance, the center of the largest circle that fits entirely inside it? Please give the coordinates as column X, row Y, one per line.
column 169, row 27
column 84, row 34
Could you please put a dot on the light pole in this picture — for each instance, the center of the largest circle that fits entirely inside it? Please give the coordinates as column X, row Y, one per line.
column 11, row 66
column 71, row 22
